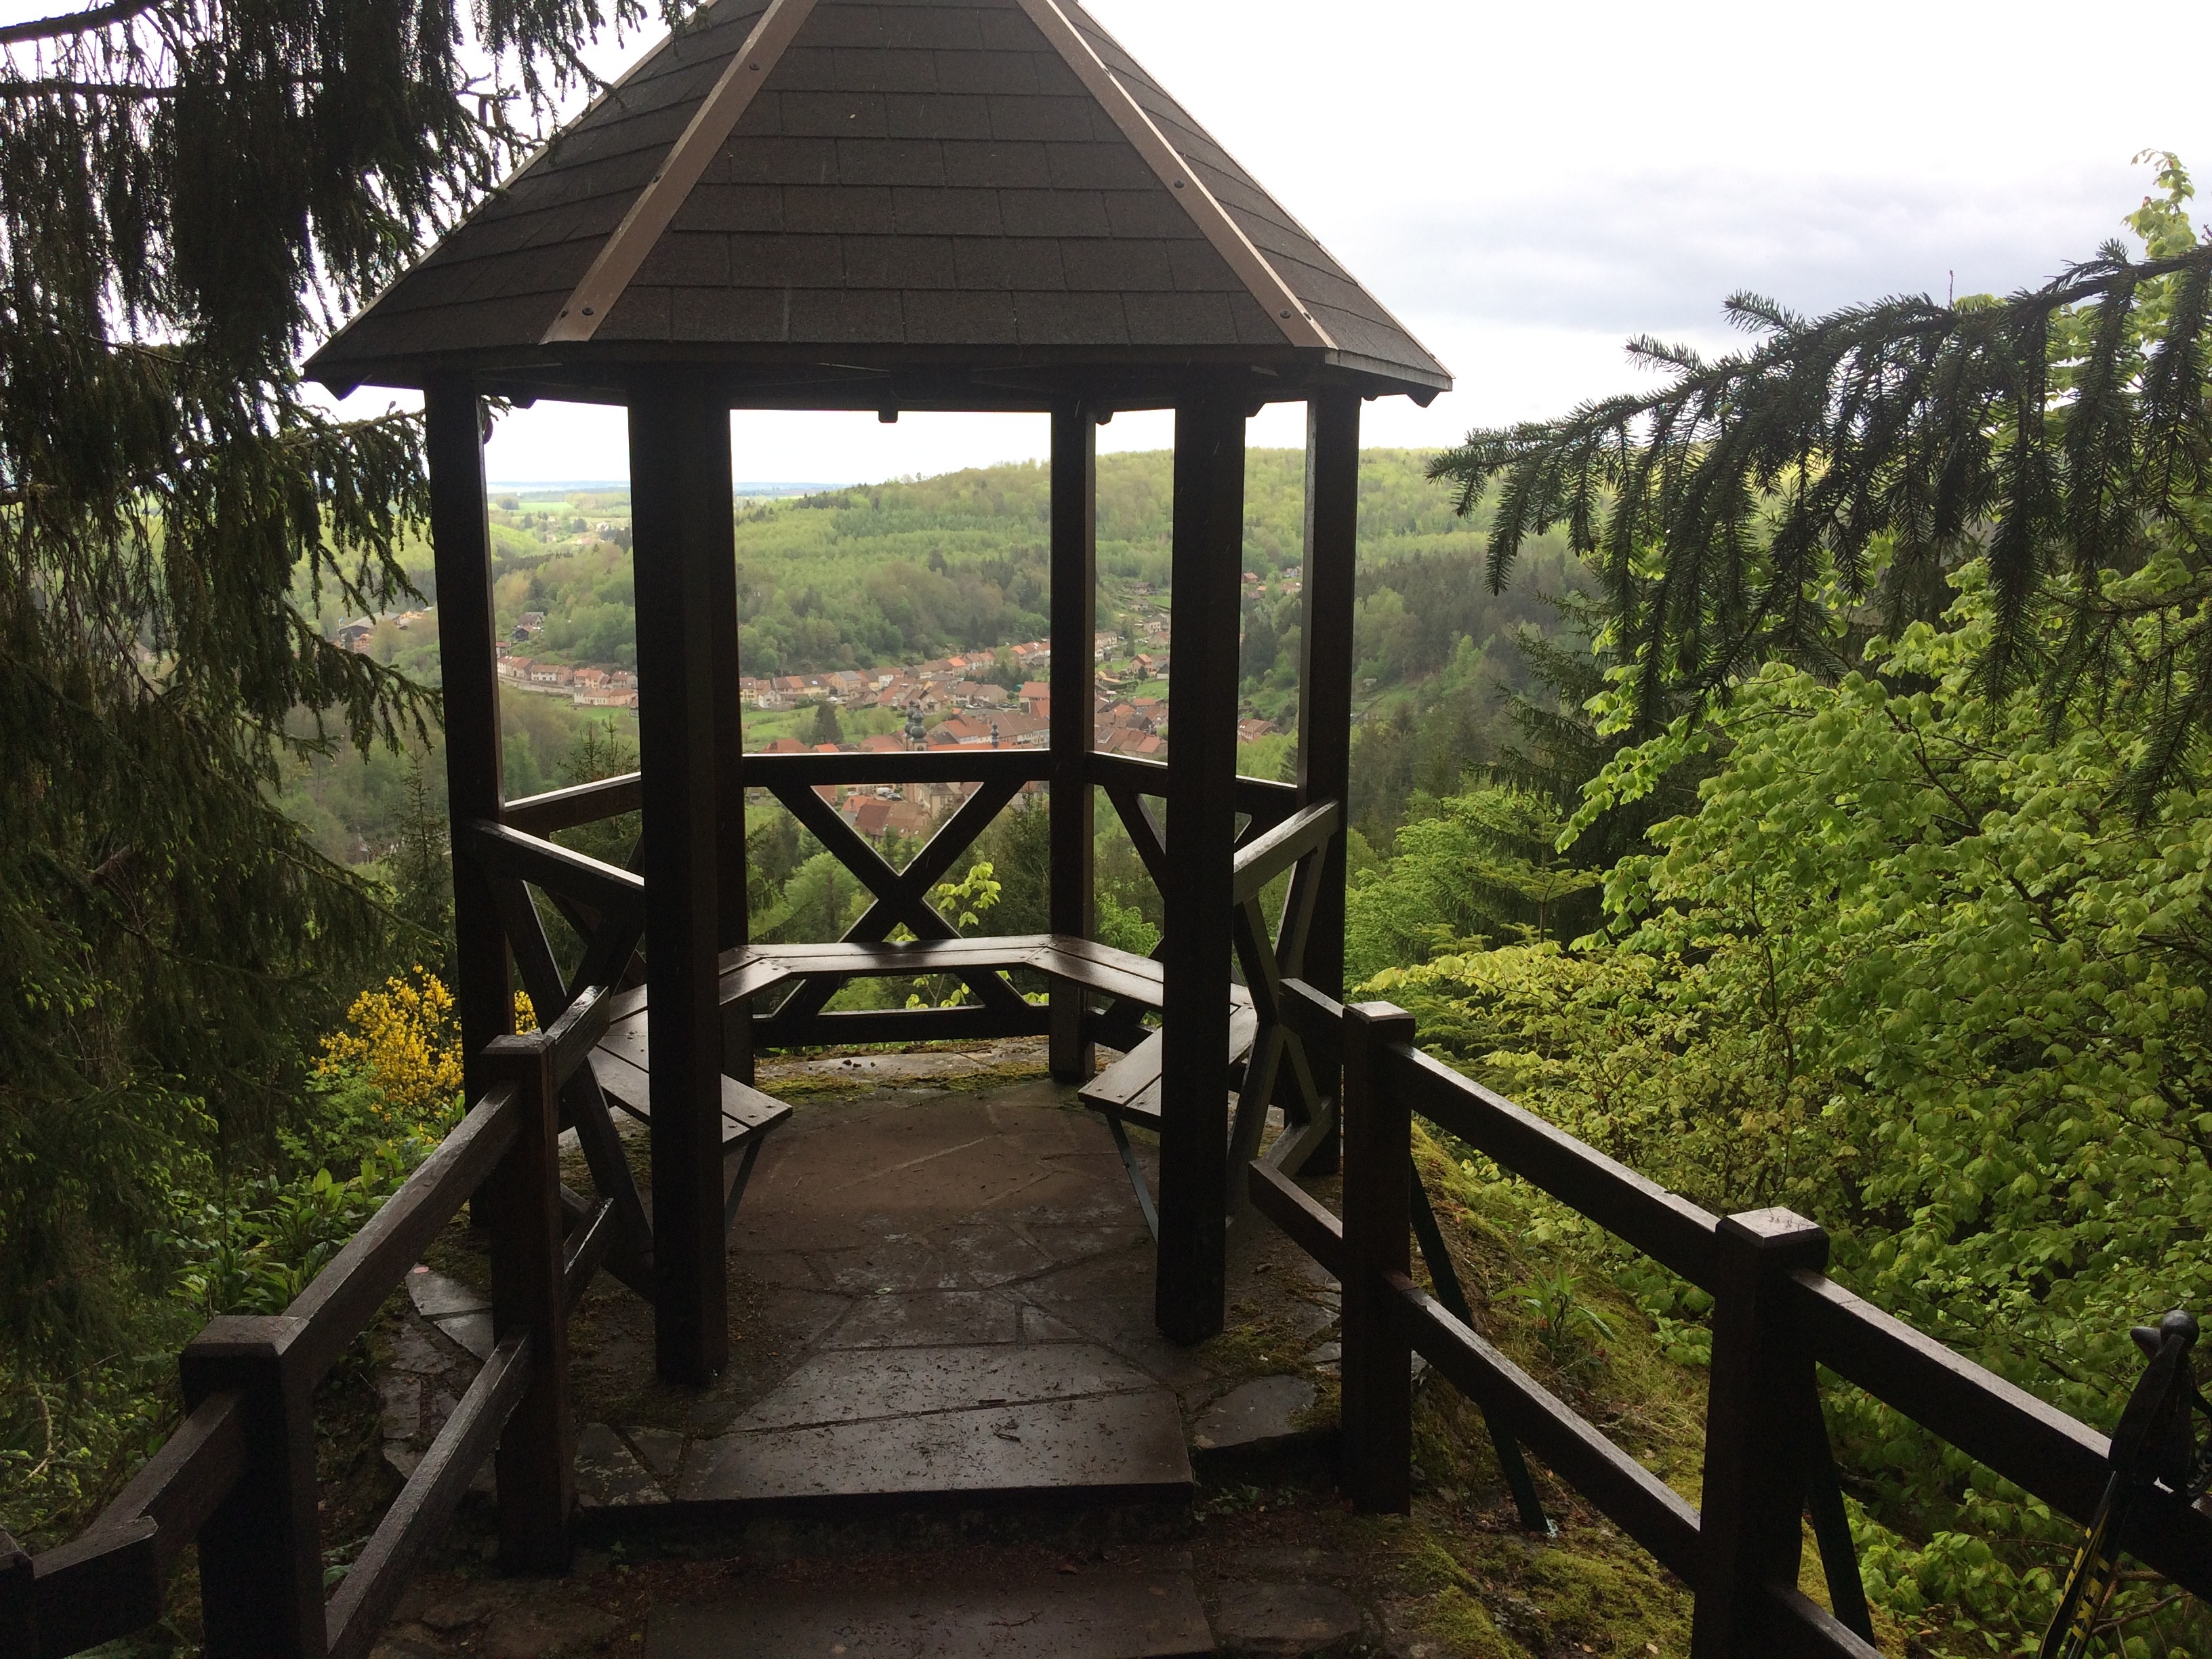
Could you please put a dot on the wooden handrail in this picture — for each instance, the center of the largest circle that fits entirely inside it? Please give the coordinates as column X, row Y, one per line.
column 238, row 1474
column 960, row 765
column 1647, row 1508
column 345, row 1296
column 1776, row 1315
column 427, row 1502
column 558, row 869
column 1663, row 1225
column 1266, row 855
column 579, row 804
column 2036, row 1446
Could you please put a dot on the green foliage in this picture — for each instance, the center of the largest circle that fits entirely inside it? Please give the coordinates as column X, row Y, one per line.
column 1912, row 968
column 963, row 902
column 1563, row 1323
column 1478, row 866
column 186, row 192
column 1784, row 501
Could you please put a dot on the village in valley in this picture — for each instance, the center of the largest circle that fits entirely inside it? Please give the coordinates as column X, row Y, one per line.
column 993, row 698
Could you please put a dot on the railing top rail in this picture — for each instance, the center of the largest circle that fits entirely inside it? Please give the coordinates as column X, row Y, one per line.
column 343, row 1297
column 580, row 804
column 1663, row 1225
column 526, row 857
column 951, row 765
column 1273, row 850
column 2039, row 1447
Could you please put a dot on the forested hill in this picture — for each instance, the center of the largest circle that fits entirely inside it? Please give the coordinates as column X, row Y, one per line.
column 915, row 568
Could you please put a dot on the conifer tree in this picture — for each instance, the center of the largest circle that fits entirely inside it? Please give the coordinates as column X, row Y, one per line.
column 189, row 190
column 1789, row 499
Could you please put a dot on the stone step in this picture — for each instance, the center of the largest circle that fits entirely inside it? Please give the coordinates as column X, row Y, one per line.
column 1097, row 1615
column 971, row 1422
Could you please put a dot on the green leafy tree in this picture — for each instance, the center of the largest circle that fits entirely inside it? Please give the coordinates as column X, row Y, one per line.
column 1787, row 501
column 421, row 867
column 1482, row 866
column 1913, row 967
column 824, row 727
column 186, row 192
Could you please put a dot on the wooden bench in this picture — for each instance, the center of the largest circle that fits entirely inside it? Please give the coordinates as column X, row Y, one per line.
column 1127, row 1092
column 621, row 1063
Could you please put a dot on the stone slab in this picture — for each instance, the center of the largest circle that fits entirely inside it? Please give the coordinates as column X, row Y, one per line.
column 1089, row 1616
column 471, row 1330
column 437, row 1296
column 1125, row 1446
column 927, row 1318
column 1285, row 1621
column 1255, row 1416
column 608, row 1472
column 854, row 1386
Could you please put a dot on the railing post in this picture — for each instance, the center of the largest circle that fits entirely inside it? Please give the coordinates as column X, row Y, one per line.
column 1074, row 675
column 1377, row 1415
column 1753, row 1497
column 261, row 1551
column 536, row 1461
column 19, row 1630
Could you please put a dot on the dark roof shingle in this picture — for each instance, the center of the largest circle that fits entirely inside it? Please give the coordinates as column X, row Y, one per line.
column 904, row 173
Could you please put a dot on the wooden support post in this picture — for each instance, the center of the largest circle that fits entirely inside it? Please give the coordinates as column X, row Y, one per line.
column 1326, row 601
column 1755, row 1453
column 537, row 1450
column 19, row 1628
column 681, row 513
column 1074, row 626
column 734, row 924
column 460, row 537
column 261, row 1551
column 1207, row 572
column 1378, row 1408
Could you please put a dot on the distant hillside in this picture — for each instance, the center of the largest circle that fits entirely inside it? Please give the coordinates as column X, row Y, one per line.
column 899, row 572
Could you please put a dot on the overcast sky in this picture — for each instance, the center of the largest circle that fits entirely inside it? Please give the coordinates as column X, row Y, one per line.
column 1526, row 185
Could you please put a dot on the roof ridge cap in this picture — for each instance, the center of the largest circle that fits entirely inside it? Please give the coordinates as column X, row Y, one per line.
column 1261, row 278
column 702, row 139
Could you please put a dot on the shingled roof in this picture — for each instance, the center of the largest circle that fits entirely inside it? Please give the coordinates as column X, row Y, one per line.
column 837, row 192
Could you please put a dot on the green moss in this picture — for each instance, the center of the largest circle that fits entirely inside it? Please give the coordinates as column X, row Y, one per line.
column 1458, row 1619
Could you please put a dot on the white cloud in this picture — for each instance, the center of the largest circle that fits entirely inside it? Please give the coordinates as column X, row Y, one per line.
column 1528, row 185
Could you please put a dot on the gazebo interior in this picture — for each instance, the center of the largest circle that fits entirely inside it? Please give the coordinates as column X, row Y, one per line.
column 889, row 205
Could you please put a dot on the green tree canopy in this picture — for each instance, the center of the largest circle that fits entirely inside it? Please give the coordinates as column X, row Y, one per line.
column 188, row 189
column 1790, row 500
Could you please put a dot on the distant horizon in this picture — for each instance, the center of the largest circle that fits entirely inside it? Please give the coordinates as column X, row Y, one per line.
column 744, row 486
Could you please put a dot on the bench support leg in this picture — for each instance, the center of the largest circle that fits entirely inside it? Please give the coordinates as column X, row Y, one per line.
column 1136, row 1174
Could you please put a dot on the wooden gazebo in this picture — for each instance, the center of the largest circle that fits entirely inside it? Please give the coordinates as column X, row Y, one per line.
column 896, row 205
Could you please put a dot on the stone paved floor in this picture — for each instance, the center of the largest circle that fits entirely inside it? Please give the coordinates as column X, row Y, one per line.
column 933, row 1291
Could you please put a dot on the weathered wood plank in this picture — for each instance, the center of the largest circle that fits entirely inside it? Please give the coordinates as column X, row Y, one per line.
column 580, row 804
column 1069, row 901
column 2039, row 1446
column 380, row 1573
column 1206, row 557
column 1645, row 1506
column 679, row 445
column 343, row 1297
column 1669, row 1228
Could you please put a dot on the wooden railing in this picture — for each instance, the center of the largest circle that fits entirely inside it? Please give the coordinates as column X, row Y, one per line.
column 238, row 1476
column 1776, row 1317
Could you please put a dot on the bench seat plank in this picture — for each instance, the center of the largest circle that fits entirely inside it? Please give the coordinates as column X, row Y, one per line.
column 1129, row 1089
column 1096, row 967
column 747, row 1114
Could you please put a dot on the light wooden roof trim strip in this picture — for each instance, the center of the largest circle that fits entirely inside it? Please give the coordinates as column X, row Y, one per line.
column 1252, row 267
column 714, row 121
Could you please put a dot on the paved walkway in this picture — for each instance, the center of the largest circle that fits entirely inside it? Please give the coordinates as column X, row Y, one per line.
column 936, row 1293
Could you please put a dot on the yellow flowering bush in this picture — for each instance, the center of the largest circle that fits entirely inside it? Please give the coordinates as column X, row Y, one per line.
column 404, row 1040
